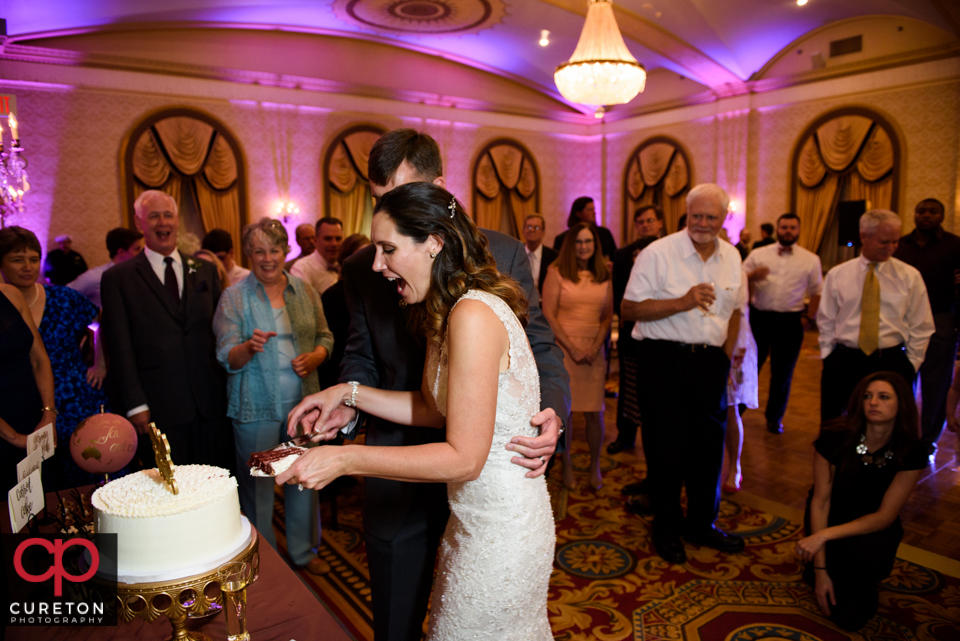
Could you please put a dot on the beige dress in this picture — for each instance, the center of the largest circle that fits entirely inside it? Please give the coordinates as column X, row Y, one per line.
column 580, row 308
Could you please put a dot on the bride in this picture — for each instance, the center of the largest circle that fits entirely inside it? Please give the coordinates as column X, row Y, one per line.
column 481, row 384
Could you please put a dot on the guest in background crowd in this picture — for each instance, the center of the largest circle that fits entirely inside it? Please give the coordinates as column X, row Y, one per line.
column 320, row 268
column 578, row 304
column 874, row 315
column 338, row 318
column 539, row 254
column 766, row 236
column 306, row 237
column 62, row 317
column 210, row 257
column 936, row 255
column 220, row 242
column 682, row 223
column 648, row 221
column 781, row 276
column 685, row 293
column 744, row 245
column 157, row 327
column 122, row 244
column 63, row 264
column 271, row 338
column 26, row 381
column 584, row 210
column 865, row 468
column 742, row 389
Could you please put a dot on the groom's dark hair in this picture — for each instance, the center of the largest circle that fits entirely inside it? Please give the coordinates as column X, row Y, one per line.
column 420, row 151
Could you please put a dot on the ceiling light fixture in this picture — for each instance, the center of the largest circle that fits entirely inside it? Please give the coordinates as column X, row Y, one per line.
column 800, row 3
column 601, row 71
column 544, row 38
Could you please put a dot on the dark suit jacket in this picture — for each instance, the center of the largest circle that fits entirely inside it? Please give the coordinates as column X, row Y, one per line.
column 607, row 244
column 382, row 353
column 546, row 258
column 160, row 354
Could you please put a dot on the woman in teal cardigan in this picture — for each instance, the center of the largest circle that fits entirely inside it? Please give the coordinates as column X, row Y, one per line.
column 271, row 337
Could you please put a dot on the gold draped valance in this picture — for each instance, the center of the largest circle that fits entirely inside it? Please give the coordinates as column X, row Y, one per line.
column 876, row 161
column 840, row 140
column 186, row 141
column 505, row 189
column 149, row 165
column 657, row 174
column 221, row 166
column 349, row 197
column 654, row 160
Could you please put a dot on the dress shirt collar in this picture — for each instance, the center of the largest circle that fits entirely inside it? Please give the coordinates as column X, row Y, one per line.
column 156, row 259
column 536, row 252
column 865, row 264
column 322, row 262
column 784, row 249
column 687, row 249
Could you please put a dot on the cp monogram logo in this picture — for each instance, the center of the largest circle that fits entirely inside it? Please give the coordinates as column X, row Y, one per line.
column 57, row 572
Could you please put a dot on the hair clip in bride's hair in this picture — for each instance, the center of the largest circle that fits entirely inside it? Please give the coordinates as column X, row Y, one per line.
column 452, row 206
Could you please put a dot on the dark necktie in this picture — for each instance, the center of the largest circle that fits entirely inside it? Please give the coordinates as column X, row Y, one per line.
column 170, row 281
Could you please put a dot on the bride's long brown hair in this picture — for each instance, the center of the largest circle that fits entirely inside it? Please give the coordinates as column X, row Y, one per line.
column 421, row 209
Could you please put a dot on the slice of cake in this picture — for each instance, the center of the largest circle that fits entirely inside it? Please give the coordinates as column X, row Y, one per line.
column 159, row 532
column 276, row 461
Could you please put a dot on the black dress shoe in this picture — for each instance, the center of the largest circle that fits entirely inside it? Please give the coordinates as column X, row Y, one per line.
column 717, row 539
column 618, row 446
column 670, row 548
column 635, row 489
column 775, row 428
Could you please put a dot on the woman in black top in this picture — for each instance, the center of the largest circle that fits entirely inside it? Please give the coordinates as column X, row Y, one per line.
column 584, row 210
column 865, row 467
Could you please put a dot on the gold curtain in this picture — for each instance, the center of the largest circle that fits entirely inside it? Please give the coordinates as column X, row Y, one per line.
column 359, row 145
column 505, row 184
column 488, row 211
column 149, row 165
column 840, row 140
column 341, row 174
column 221, row 166
column 219, row 209
column 878, row 194
column 876, row 161
column 654, row 161
column 658, row 175
column 186, row 141
column 351, row 208
column 815, row 208
column 351, row 199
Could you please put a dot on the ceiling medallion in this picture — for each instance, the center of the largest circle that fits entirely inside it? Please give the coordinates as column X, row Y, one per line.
column 426, row 17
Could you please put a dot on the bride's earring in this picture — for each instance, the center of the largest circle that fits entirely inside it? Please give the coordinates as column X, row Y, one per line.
column 433, row 255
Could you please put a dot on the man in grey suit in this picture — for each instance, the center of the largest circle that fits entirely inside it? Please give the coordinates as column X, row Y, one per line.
column 403, row 522
column 157, row 330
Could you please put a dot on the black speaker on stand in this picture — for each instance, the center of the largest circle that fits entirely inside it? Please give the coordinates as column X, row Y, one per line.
column 849, row 213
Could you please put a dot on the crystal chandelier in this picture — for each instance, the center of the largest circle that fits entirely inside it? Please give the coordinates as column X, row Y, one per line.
column 601, row 71
column 13, row 177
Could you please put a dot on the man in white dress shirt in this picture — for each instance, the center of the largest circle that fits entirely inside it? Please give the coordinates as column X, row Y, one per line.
column 540, row 255
column 320, row 268
column 122, row 244
column 685, row 292
column 782, row 276
column 874, row 315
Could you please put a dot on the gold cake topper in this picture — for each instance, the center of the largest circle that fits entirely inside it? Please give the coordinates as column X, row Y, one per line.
column 161, row 452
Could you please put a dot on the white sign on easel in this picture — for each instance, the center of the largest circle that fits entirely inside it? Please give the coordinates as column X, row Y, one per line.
column 29, row 465
column 42, row 440
column 24, row 500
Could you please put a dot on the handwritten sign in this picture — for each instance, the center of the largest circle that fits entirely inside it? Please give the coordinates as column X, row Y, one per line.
column 25, row 500
column 29, row 465
column 41, row 440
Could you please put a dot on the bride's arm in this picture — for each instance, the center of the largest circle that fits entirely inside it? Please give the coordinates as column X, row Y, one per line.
column 402, row 408
column 478, row 341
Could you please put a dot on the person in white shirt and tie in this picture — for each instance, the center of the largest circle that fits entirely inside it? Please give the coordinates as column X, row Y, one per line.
column 874, row 315
column 539, row 254
column 320, row 268
column 782, row 276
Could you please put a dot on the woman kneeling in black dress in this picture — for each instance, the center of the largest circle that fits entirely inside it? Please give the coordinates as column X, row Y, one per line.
column 865, row 467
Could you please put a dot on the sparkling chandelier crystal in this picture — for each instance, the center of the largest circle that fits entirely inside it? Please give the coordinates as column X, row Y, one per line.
column 13, row 175
column 601, row 71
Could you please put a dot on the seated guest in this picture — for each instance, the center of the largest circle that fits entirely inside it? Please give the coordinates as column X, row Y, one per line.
column 766, row 236
column 61, row 316
column 539, row 254
column 271, row 337
column 865, row 468
column 338, row 318
column 584, row 210
column 122, row 243
column 220, row 242
column 26, row 383
column 63, row 265
column 320, row 268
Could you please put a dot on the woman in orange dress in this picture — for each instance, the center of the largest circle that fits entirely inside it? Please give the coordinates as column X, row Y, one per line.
column 578, row 304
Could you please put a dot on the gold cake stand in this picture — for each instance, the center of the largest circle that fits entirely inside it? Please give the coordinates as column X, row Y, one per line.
column 178, row 598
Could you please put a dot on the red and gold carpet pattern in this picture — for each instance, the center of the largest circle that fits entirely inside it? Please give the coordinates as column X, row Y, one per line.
column 609, row 584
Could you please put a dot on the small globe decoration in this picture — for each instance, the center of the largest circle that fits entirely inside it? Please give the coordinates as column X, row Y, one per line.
column 103, row 443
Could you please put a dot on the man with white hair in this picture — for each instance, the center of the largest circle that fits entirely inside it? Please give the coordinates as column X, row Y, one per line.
column 157, row 327
column 874, row 315
column 685, row 292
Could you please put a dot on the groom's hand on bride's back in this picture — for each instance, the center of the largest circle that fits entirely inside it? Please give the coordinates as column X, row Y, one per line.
column 534, row 453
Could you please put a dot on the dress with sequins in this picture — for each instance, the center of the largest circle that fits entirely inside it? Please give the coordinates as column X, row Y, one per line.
column 497, row 551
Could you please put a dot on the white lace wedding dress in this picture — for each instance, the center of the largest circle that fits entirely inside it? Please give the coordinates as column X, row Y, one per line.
column 497, row 551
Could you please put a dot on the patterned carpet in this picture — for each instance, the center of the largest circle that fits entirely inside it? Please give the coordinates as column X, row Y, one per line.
column 608, row 584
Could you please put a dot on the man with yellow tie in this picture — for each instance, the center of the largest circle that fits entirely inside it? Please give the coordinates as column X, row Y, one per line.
column 874, row 315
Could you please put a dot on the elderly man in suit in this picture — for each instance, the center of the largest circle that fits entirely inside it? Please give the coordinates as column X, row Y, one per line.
column 157, row 319
column 539, row 254
column 403, row 522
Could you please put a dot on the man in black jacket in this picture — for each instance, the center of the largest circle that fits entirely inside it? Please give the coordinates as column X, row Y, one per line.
column 403, row 522
column 540, row 255
column 157, row 328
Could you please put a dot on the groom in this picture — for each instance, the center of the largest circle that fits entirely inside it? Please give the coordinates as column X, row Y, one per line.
column 403, row 522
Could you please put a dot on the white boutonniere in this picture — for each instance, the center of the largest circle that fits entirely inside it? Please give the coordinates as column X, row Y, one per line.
column 191, row 266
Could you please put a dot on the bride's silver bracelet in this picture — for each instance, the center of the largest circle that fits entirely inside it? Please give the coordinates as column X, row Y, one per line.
column 352, row 401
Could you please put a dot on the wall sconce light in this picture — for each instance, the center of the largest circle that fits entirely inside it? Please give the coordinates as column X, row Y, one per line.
column 286, row 210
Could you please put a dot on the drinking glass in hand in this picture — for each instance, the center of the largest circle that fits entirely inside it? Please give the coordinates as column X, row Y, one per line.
column 234, row 578
column 706, row 311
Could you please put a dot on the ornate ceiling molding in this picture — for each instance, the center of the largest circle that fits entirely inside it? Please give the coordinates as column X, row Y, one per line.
column 422, row 17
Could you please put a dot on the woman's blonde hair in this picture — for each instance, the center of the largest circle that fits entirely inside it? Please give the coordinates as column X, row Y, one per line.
column 419, row 210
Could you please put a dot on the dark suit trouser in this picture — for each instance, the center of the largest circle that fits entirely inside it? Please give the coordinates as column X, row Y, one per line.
column 628, row 412
column 936, row 375
column 684, row 407
column 779, row 335
column 846, row 366
column 401, row 571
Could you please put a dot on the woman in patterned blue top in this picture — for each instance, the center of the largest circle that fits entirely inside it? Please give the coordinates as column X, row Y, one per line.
column 271, row 337
column 62, row 315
